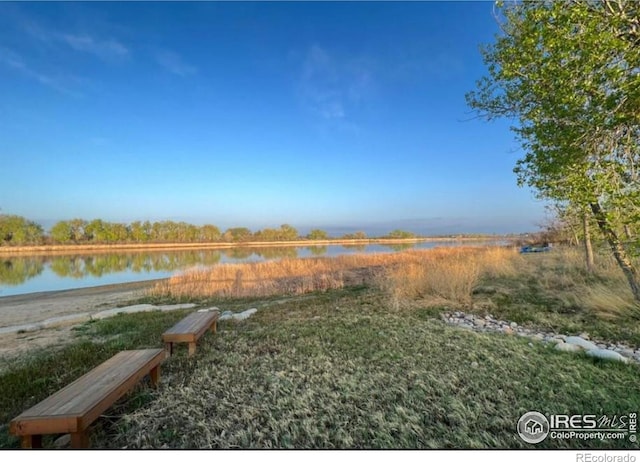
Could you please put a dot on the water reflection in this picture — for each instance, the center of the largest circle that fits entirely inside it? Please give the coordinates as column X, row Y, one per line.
column 355, row 247
column 80, row 266
column 317, row 250
column 17, row 270
column 399, row 247
column 26, row 274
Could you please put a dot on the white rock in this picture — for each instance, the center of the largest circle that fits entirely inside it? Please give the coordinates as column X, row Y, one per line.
column 123, row 310
column 225, row 315
column 245, row 314
column 180, row 306
column 65, row 320
column 206, row 310
column 607, row 354
column 627, row 352
column 581, row 342
column 513, row 325
column 584, row 335
column 143, row 308
column 237, row 316
column 568, row 347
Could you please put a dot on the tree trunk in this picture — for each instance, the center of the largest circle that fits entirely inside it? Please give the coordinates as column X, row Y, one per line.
column 573, row 238
column 627, row 232
column 618, row 251
column 588, row 250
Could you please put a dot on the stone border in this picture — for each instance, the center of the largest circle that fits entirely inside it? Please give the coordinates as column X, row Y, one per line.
column 599, row 349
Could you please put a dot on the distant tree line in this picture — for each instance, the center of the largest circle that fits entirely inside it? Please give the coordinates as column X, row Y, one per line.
column 16, row 231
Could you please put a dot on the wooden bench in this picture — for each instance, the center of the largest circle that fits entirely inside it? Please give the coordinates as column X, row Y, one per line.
column 190, row 329
column 76, row 406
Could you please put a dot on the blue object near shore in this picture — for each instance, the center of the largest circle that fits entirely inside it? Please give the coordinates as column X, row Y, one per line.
column 535, row 249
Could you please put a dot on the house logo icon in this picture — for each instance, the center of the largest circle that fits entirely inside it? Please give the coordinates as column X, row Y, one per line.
column 533, row 427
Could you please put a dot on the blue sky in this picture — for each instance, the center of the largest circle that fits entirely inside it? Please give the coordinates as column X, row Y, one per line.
column 339, row 115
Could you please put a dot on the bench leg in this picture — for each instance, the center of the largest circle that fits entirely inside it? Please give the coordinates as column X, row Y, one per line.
column 31, row 441
column 214, row 327
column 168, row 347
column 79, row 440
column 192, row 348
column 155, row 375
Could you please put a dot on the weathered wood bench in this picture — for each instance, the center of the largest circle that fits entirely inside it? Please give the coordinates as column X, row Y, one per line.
column 76, row 406
column 190, row 329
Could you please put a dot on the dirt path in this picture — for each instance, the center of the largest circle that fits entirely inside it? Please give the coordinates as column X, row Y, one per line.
column 30, row 308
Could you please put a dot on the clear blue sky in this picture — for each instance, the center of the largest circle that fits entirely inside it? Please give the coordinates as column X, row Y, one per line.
column 336, row 115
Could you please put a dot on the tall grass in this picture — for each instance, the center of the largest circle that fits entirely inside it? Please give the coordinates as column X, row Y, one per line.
column 274, row 277
column 440, row 274
column 604, row 291
column 446, row 275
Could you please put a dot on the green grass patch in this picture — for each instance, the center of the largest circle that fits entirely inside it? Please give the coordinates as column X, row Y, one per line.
column 330, row 370
column 548, row 295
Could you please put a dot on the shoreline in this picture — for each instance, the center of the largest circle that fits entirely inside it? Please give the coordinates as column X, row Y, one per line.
column 36, row 307
column 81, row 291
column 150, row 247
column 39, row 306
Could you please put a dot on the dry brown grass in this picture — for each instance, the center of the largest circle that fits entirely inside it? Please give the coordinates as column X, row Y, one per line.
column 446, row 275
column 605, row 292
column 274, row 277
column 558, row 283
column 438, row 274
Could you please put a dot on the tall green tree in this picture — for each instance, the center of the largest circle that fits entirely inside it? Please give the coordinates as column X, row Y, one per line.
column 317, row 235
column 287, row 233
column 240, row 234
column 61, row 232
column 17, row 230
column 566, row 74
column 70, row 231
column 400, row 234
column 140, row 232
column 98, row 231
column 210, row 233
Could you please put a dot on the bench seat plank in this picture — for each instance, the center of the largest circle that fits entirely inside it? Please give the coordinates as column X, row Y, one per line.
column 190, row 329
column 76, row 406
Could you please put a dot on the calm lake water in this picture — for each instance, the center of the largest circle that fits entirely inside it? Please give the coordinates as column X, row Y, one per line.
column 24, row 275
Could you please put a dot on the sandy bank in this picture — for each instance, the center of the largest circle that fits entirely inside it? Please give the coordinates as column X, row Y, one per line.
column 31, row 308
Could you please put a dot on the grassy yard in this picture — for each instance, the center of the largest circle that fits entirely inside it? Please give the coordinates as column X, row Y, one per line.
column 364, row 366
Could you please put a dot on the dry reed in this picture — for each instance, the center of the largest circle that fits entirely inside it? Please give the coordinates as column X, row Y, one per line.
column 443, row 273
column 446, row 275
